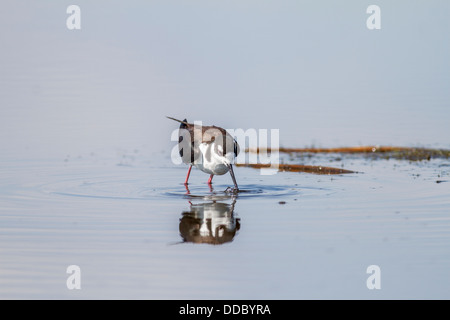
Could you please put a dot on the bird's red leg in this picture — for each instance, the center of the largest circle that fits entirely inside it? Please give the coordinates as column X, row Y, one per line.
column 209, row 183
column 189, row 173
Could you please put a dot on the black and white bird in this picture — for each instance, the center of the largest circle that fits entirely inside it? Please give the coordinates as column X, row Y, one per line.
column 209, row 148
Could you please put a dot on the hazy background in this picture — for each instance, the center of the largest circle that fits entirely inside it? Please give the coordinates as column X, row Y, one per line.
column 85, row 170
column 310, row 68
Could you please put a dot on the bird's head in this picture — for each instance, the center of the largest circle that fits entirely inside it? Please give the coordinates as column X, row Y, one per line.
column 225, row 156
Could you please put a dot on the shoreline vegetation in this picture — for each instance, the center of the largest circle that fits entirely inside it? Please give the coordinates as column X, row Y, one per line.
column 371, row 152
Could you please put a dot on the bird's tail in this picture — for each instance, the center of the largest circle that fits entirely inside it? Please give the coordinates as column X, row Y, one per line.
column 183, row 122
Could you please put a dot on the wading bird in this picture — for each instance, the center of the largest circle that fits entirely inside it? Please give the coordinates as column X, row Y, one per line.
column 209, row 148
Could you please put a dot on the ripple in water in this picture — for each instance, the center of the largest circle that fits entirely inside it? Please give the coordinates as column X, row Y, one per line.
column 220, row 192
column 111, row 188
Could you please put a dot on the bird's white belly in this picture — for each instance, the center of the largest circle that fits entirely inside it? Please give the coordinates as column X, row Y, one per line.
column 211, row 167
column 210, row 162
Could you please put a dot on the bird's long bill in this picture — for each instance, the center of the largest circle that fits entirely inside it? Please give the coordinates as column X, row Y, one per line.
column 233, row 177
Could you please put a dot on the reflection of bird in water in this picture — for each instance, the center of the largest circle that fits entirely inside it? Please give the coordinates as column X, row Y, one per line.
column 212, row 223
column 209, row 148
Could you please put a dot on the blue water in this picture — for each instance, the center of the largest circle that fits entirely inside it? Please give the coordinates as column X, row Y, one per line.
column 136, row 232
column 87, row 178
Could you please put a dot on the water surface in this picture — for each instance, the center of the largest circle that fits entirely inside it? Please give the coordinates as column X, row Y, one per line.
column 85, row 171
column 137, row 232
